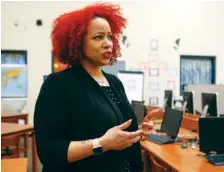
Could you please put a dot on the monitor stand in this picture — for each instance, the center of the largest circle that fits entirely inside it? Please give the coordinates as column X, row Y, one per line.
column 184, row 106
column 204, row 112
column 164, row 105
column 177, row 139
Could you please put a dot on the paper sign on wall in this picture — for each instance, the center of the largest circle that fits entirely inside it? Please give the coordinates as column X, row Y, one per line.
column 153, row 72
column 172, row 72
column 153, row 101
column 171, row 85
column 154, row 44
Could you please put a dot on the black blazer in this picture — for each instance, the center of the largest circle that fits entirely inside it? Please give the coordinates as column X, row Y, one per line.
column 71, row 106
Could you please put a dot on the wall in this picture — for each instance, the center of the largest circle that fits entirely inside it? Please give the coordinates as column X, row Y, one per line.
column 199, row 26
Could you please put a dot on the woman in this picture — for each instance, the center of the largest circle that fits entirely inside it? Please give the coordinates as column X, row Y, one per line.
column 83, row 120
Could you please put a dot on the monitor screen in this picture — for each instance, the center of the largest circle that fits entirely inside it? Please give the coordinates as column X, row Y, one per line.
column 139, row 110
column 134, row 102
column 168, row 99
column 211, row 134
column 188, row 99
column 171, row 122
column 209, row 104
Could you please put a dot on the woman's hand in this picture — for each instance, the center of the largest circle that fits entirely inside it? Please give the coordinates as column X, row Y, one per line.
column 149, row 116
column 146, row 130
column 117, row 139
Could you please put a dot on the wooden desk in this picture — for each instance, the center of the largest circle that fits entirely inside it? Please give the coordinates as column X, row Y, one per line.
column 11, row 117
column 190, row 121
column 179, row 159
column 14, row 165
column 11, row 129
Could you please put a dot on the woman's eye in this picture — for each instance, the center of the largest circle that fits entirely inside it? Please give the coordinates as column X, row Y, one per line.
column 110, row 37
column 98, row 37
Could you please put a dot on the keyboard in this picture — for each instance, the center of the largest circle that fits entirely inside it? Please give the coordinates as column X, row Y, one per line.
column 216, row 159
column 160, row 139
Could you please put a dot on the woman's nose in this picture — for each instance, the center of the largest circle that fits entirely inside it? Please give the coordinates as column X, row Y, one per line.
column 107, row 43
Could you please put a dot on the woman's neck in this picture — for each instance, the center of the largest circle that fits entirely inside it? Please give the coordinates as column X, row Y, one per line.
column 93, row 70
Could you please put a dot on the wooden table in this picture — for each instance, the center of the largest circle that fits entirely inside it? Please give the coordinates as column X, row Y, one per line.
column 179, row 159
column 14, row 165
column 11, row 129
column 12, row 117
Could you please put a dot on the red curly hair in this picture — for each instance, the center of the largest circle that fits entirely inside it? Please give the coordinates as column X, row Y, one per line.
column 69, row 28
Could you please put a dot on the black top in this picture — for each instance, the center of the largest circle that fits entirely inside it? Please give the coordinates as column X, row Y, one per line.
column 71, row 106
column 109, row 91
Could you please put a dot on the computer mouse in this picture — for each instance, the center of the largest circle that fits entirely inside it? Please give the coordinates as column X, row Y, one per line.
column 184, row 145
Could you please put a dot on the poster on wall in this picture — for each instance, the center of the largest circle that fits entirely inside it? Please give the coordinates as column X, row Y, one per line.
column 153, row 72
column 14, row 74
column 13, row 105
column 15, row 57
column 14, row 81
column 133, row 82
column 153, row 101
column 171, row 85
column 154, row 44
column 153, row 57
column 172, row 72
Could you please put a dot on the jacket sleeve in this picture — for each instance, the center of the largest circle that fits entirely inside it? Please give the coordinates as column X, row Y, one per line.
column 51, row 121
column 135, row 150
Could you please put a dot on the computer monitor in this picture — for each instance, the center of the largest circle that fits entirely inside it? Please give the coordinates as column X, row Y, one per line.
column 188, row 99
column 134, row 102
column 209, row 104
column 171, row 122
column 168, row 99
column 139, row 110
column 211, row 134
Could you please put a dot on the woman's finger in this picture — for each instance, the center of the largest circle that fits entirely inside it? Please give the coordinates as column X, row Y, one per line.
column 146, row 126
column 143, row 138
column 146, row 133
column 134, row 140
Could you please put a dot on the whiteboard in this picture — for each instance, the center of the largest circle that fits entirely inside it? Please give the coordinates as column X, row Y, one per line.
column 133, row 82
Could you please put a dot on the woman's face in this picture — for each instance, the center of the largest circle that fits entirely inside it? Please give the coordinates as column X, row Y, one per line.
column 97, row 42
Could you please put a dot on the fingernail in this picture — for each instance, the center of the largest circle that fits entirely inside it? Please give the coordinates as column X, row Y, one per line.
column 130, row 120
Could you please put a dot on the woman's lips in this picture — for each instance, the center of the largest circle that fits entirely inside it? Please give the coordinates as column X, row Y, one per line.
column 107, row 55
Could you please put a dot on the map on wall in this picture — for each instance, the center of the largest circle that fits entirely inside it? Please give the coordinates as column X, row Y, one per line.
column 13, row 105
column 14, row 81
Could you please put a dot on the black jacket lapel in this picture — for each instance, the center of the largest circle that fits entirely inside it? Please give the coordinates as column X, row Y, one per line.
column 92, row 86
